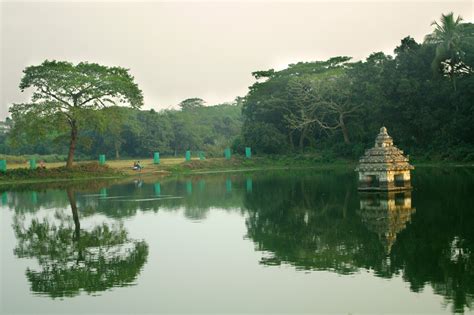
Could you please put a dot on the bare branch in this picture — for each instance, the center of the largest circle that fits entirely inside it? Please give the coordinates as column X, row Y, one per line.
column 47, row 92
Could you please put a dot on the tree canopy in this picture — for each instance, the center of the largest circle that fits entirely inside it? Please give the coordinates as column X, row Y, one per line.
column 68, row 96
column 191, row 103
column 422, row 93
column 335, row 107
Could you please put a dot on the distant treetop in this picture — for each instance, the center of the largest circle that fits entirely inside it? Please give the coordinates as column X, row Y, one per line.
column 191, row 103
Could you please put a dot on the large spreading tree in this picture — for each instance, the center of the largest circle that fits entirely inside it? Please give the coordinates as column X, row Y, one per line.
column 68, row 95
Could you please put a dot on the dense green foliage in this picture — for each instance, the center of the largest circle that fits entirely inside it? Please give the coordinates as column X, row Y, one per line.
column 69, row 97
column 138, row 133
column 423, row 95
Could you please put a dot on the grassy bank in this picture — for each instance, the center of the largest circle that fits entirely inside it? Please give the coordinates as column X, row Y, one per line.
column 174, row 166
column 50, row 174
column 257, row 163
column 124, row 168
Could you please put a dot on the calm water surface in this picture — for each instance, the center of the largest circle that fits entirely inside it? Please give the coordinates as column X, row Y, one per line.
column 265, row 242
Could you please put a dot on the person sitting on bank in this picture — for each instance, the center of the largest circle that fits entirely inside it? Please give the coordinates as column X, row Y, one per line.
column 137, row 166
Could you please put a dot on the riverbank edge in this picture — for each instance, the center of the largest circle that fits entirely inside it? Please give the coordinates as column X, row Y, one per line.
column 211, row 166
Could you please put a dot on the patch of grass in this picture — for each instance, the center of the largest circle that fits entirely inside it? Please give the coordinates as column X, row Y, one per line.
column 79, row 171
column 256, row 163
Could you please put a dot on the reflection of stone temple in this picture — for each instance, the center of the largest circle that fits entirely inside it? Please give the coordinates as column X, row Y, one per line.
column 386, row 214
column 384, row 167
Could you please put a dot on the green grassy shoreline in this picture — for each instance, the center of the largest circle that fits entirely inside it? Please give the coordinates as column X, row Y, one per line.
column 89, row 171
column 93, row 171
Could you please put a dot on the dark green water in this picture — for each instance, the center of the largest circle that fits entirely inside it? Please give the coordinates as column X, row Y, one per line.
column 266, row 242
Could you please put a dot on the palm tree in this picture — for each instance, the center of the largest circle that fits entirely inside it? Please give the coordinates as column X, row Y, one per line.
column 447, row 37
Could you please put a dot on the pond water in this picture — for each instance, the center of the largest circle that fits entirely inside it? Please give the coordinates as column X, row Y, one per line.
column 262, row 242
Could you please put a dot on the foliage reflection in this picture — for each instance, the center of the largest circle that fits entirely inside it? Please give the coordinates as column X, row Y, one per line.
column 309, row 220
column 72, row 259
column 322, row 223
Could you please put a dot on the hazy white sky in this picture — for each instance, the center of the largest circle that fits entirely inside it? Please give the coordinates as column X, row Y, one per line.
column 178, row 50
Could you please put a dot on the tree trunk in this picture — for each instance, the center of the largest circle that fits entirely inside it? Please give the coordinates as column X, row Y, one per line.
column 72, row 144
column 302, row 136
column 346, row 203
column 75, row 215
column 117, row 150
column 344, row 129
column 290, row 138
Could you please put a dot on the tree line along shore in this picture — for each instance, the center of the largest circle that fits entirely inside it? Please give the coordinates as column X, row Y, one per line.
column 323, row 111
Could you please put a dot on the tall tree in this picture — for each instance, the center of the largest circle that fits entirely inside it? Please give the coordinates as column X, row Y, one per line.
column 324, row 103
column 276, row 106
column 72, row 94
column 304, row 110
column 337, row 100
column 447, row 37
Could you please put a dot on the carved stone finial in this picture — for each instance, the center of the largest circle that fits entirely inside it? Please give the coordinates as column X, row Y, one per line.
column 383, row 139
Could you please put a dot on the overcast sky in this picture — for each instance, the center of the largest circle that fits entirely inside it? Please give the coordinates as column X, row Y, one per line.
column 178, row 50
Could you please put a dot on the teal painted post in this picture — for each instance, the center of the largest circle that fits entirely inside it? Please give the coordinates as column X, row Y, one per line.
column 102, row 159
column 228, row 185
column 202, row 185
column 4, row 198
column 103, row 193
column 249, row 184
column 189, row 187
column 3, row 166
column 248, row 152
column 188, row 156
column 34, row 197
column 157, row 189
column 202, row 156
column 32, row 164
column 227, row 153
column 156, row 158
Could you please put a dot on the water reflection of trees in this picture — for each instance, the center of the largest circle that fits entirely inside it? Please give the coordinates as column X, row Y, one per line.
column 322, row 223
column 29, row 198
column 72, row 259
column 310, row 222
column 195, row 195
column 318, row 221
column 438, row 248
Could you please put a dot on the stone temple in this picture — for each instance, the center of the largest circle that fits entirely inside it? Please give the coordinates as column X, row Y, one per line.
column 384, row 167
